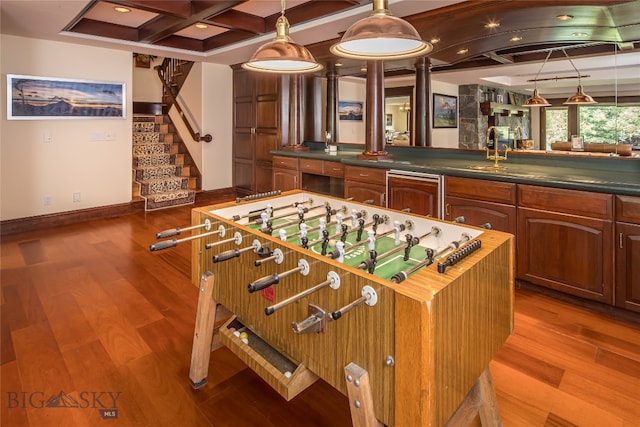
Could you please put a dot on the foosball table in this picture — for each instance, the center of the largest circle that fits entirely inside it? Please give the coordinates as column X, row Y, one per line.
column 399, row 312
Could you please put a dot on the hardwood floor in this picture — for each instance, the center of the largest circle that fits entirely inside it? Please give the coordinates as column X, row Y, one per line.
column 88, row 311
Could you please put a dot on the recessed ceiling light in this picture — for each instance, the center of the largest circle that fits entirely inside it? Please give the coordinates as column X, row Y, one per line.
column 201, row 25
column 564, row 17
column 515, row 38
column 122, row 9
column 434, row 40
column 579, row 34
column 492, row 25
column 338, row 64
column 462, row 51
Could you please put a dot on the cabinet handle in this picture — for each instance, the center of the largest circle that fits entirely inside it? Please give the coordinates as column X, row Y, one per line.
column 336, row 169
column 620, row 241
column 447, row 209
column 364, row 174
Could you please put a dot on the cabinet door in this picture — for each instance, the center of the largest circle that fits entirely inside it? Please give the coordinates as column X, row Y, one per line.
column 567, row 253
column 419, row 196
column 285, row 179
column 628, row 266
column 363, row 191
column 476, row 212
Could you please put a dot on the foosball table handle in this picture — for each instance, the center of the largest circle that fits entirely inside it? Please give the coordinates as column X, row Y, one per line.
column 263, row 283
column 163, row 245
column 223, row 256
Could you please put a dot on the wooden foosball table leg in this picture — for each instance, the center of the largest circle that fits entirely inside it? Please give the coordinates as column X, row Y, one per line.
column 203, row 335
column 360, row 397
column 481, row 400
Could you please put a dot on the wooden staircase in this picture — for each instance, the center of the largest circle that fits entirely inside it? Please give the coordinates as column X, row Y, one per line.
column 161, row 169
column 164, row 173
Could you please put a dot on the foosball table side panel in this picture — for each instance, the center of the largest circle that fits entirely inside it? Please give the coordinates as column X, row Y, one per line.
column 451, row 339
column 364, row 335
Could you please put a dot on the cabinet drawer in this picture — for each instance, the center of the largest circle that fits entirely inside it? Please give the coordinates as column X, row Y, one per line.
column 480, row 189
column 311, row 165
column 575, row 202
column 362, row 174
column 628, row 209
column 333, row 169
column 285, row 162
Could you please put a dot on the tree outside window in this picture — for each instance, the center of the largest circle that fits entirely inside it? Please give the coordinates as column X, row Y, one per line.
column 609, row 124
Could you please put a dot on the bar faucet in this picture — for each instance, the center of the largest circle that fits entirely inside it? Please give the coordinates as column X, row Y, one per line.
column 495, row 156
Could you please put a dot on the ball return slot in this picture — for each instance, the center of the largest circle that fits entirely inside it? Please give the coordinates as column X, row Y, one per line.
column 287, row 377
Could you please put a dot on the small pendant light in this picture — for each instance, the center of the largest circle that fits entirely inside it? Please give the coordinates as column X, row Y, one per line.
column 282, row 55
column 536, row 100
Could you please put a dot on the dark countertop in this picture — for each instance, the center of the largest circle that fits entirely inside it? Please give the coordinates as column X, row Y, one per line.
column 599, row 173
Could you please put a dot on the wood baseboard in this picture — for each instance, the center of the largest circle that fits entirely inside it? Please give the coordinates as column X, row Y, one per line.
column 40, row 222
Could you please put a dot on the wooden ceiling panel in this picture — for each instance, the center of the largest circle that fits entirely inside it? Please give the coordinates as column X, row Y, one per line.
column 460, row 25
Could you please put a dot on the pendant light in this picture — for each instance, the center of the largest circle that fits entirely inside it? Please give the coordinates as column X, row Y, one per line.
column 536, row 100
column 381, row 36
column 282, row 55
column 580, row 98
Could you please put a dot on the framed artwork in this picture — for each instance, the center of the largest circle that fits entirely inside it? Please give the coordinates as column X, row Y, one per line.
column 445, row 111
column 389, row 119
column 350, row 110
column 143, row 61
column 41, row 98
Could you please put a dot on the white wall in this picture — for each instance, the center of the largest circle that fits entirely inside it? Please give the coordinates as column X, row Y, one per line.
column 217, row 102
column 444, row 137
column 190, row 97
column 147, row 87
column 208, row 92
column 352, row 89
column 72, row 163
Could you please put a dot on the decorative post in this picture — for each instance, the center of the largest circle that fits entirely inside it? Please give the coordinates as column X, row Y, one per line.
column 374, row 120
column 295, row 102
column 332, row 104
column 423, row 106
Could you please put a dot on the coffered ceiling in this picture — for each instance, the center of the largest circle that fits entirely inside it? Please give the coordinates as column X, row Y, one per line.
column 483, row 35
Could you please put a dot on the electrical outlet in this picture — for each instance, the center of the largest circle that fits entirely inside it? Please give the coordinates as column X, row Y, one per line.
column 48, row 200
column 76, row 198
column 47, row 138
column 109, row 136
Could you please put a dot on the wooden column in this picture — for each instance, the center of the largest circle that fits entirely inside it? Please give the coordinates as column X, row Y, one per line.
column 295, row 111
column 422, row 127
column 374, row 117
column 312, row 127
column 332, row 104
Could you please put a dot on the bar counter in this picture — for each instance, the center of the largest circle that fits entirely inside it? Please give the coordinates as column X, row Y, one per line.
column 572, row 170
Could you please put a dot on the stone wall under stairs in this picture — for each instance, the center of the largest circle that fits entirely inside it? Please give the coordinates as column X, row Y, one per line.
column 159, row 172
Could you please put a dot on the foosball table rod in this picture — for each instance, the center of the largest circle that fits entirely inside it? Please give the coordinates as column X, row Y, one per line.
column 174, row 242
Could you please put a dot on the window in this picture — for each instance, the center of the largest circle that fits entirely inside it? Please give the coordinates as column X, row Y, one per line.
column 609, row 124
column 556, row 125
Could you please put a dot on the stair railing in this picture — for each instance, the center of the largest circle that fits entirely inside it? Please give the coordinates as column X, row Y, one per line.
column 168, row 73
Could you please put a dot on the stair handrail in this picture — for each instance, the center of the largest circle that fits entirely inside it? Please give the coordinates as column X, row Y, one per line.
column 165, row 78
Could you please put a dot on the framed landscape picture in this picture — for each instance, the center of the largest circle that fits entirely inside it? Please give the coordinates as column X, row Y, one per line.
column 445, row 111
column 350, row 110
column 40, row 98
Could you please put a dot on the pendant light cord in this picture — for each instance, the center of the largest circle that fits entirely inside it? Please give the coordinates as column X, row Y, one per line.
column 573, row 65
column 543, row 64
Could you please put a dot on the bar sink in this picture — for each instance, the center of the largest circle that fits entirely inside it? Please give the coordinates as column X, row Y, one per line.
column 491, row 168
